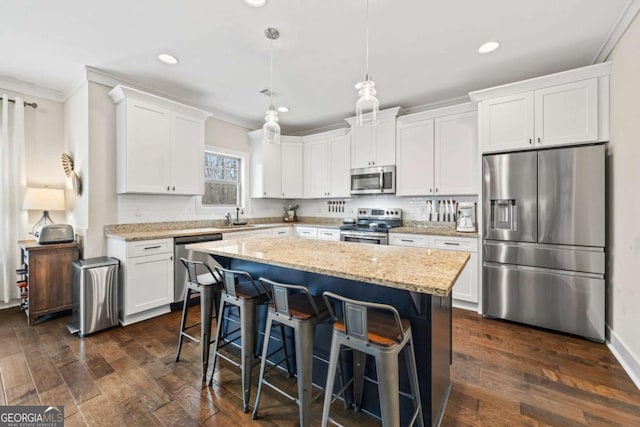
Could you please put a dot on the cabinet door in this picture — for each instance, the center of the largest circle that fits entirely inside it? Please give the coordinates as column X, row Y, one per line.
column 292, row 170
column 316, row 176
column 149, row 282
column 567, row 114
column 362, row 146
column 339, row 170
column 187, row 155
column 414, row 172
column 456, row 151
column 385, row 142
column 148, row 150
column 507, row 122
column 466, row 287
column 266, row 170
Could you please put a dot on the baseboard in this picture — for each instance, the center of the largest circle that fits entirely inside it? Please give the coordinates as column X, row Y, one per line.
column 465, row 305
column 630, row 364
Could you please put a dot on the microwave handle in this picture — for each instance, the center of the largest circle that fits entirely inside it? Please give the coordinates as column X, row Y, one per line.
column 381, row 180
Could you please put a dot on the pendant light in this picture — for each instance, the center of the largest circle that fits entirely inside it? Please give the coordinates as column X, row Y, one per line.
column 367, row 103
column 271, row 128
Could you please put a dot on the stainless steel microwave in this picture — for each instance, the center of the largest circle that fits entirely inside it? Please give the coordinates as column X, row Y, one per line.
column 375, row 180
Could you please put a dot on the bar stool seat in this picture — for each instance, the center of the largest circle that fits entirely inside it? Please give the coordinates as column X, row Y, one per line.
column 376, row 330
column 382, row 331
column 208, row 285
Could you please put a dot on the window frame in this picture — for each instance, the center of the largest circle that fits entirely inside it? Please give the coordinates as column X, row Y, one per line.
column 242, row 181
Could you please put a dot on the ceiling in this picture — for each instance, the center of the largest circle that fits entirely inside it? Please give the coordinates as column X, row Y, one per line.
column 421, row 52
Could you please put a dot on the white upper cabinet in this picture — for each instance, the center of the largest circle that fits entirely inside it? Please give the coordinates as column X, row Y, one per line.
column 456, row 154
column 326, row 164
column 292, row 170
column 437, row 152
column 374, row 145
column 160, row 144
column 566, row 108
column 414, row 171
column 276, row 169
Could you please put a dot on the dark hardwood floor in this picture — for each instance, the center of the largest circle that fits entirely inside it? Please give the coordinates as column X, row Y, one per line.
column 502, row 374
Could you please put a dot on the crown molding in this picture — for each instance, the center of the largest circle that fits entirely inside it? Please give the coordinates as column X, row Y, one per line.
column 96, row 75
column 31, row 89
column 618, row 30
column 437, row 104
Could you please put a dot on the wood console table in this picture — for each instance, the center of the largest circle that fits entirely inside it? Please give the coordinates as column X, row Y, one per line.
column 48, row 276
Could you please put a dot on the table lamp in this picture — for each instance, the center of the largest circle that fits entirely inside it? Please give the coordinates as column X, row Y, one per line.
column 44, row 199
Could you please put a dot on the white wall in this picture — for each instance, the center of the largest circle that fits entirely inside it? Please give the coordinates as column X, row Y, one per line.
column 76, row 138
column 624, row 201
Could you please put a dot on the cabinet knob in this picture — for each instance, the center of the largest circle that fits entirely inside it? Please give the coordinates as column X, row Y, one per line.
column 174, row 188
column 539, row 141
column 436, row 189
column 430, row 190
column 265, row 193
column 530, row 141
column 283, row 194
column 373, row 163
column 168, row 188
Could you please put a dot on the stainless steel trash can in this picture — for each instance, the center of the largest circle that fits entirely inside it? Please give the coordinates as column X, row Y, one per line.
column 95, row 295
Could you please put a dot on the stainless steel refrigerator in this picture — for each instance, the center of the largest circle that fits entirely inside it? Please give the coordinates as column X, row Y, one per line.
column 544, row 239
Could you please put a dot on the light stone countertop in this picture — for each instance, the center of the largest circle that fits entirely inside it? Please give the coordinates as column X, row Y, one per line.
column 433, row 231
column 412, row 269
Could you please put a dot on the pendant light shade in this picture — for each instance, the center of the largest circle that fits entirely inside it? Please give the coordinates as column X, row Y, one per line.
column 271, row 128
column 367, row 106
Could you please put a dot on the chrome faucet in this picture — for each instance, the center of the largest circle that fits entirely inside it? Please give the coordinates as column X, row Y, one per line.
column 228, row 217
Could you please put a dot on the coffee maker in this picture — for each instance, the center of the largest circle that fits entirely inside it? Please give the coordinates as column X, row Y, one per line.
column 466, row 220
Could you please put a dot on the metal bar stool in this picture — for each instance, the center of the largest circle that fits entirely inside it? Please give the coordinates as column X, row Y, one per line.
column 241, row 292
column 373, row 329
column 293, row 306
column 208, row 285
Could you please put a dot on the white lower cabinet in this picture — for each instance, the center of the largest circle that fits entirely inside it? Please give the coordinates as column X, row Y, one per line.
column 282, row 231
column 465, row 291
column 307, row 232
column 145, row 285
column 328, row 234
column 247, row 234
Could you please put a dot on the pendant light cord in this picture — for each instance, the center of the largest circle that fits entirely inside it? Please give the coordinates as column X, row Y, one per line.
column 271, row 77
column 367, row 42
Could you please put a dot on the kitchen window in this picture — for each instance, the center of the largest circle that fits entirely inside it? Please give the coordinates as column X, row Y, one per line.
column 222, row 180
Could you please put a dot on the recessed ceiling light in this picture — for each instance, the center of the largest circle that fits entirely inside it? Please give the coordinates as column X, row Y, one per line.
column 283, row 109
column 255, row 3
column 488, row 47
column 168, row 59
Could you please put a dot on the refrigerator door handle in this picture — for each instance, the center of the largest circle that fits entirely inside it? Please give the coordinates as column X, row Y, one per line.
column 544, row 270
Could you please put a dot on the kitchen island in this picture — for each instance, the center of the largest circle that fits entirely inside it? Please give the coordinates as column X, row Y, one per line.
column 416, row 281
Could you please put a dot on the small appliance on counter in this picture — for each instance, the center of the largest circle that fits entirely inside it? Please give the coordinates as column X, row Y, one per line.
column 466, row 220
column 290, row 214
column 55, row 233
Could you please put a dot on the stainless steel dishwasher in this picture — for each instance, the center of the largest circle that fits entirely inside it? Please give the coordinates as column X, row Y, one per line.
column 179, row 251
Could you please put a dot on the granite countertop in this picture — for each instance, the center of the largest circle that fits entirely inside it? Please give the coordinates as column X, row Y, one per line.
column 412, row 269
column 143, row 233
column 433, row 231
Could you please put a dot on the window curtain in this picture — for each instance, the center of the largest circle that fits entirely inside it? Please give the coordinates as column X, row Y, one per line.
column 12, row 185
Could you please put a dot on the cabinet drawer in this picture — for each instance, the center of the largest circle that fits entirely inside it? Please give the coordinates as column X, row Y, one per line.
column 328, row 234
column 149, row 247
column 416, row 240
column 454, row 244
column 282, row 231
column 307, row 232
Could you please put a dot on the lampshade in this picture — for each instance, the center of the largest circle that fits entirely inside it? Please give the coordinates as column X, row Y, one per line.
column 44, row 199
column 367, row 105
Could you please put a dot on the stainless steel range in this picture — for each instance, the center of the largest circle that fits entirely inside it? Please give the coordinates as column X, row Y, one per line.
column 372, row 226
